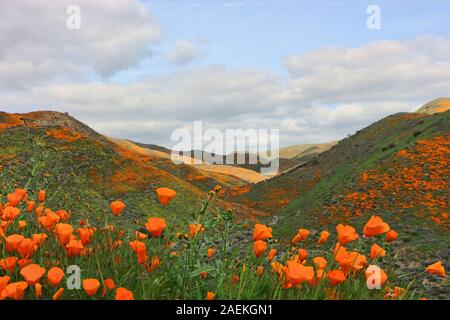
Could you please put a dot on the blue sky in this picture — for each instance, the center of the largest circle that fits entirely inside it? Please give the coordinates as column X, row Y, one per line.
column 142, row 69
column 259, row 33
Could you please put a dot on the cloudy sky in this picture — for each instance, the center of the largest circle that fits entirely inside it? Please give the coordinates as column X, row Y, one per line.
column 141, row 69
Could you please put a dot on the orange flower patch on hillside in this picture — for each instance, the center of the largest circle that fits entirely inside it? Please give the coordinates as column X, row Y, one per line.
column 9, row 120
column 415, row 179
column 63, row 134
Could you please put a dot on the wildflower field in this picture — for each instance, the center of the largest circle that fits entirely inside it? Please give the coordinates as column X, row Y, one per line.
column 156, row 260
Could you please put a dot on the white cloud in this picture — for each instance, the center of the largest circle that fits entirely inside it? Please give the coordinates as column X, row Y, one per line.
column 184, row 53
column 378, row 71
column 36, row 46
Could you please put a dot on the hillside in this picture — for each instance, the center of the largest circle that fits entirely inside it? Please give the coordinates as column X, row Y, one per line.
column 53, row 151
column 435, row 106
column 397, row 168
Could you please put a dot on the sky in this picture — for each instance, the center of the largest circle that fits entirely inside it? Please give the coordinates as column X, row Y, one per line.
column 141, row 69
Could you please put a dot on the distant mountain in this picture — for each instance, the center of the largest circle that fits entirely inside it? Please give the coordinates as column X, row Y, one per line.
column 301, row 151
column 435, row 106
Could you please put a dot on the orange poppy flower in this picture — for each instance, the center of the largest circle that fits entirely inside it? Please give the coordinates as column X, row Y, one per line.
column 211, row 252
column 9, row 264
column 259, row 247
column 235, row 279
column 324, row 235
column 142, row 254
column 54, row 276
column 124, row 294
column 391, row 236
column 194, row 229
column 74, row 248
column 377, row 251
column 21, row 192
column 375, row 226
column 272, row 253
column 117, row 207
column 32, row 273
column 261, row 232
column 140, row 235
column 39, row 238
column 38, row 290
column 23, row 262
column 203, row 274
column 26, row 248
column 30, row 206
column 64, row 232
column 109, row 283
column 260, row 270
column 165, row 195
column 13, row 241
column 10, row 213
column 320, row 262
column 85, row 234
column 58, row 294
column 42, row 195
column 278, row 268
column 350, row 259
column 4, row 282
column 39, row 211
column 51, row 219
column 303, row 234
column 141, row 250
column 63, row 215
column 320, row 274
column 15, row 290
column 210, row 295
column 346, row 234
column 336, row 277
column 156, row 226
column 22, row 224
column 90, row 286
column 154, row 264
column 134, row 244
column 436, row 268
column 302, row 254
column 297, row 273
column 14, row 199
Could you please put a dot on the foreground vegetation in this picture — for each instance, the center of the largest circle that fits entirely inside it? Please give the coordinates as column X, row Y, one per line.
column 153, row 260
